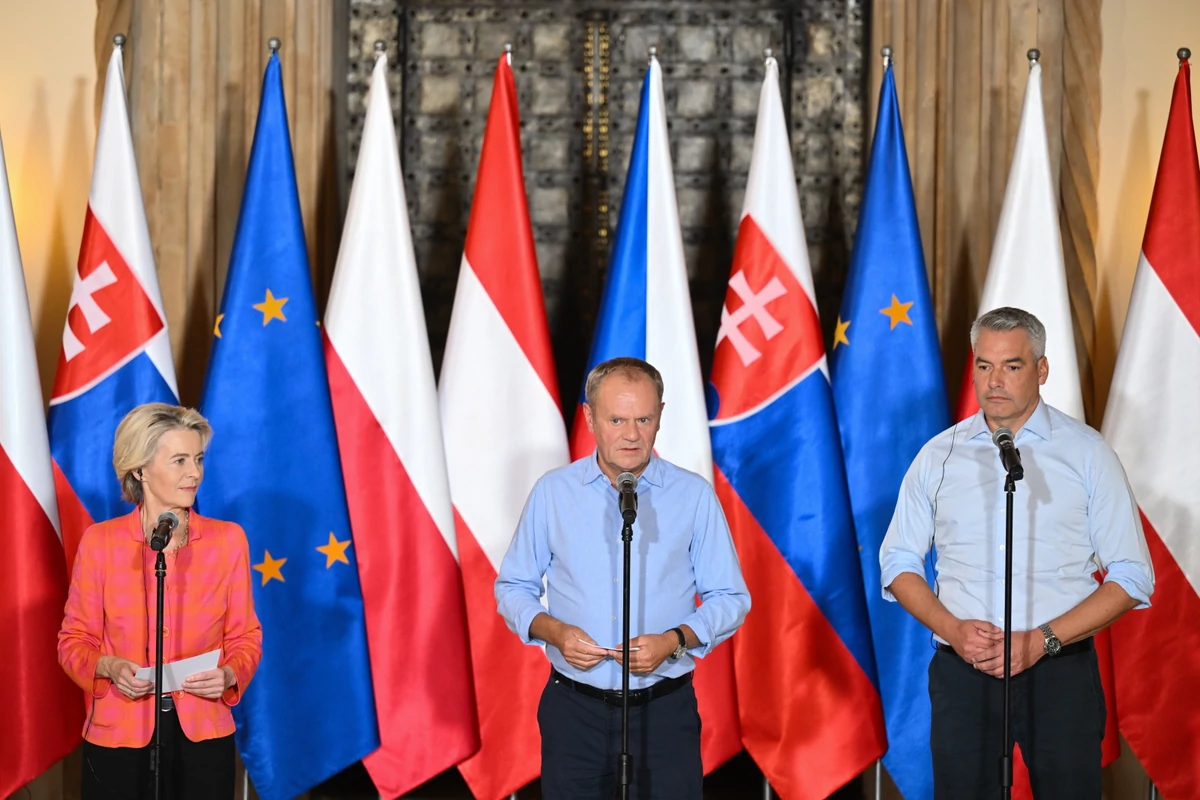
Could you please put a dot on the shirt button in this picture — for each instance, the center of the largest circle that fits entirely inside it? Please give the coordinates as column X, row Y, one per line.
column 615, row 580
column 166, row 632
column 1001, row 547
column 614, row 619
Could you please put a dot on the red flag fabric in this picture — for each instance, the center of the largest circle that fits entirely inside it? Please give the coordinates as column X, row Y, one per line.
column 1152, row 424
column 43, row 711
column 390, row 440
column 503, row 429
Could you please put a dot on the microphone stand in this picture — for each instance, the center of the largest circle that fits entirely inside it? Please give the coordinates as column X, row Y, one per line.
column 1006, row 759
column 160, row 574
column 625, row 766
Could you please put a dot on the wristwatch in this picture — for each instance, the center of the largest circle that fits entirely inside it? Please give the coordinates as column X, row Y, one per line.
column 680, row 651
column 1053, row 645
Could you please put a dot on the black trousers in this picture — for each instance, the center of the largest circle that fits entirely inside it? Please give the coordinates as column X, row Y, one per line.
column 190, row 770
column 1057, row 718
column 581, row 741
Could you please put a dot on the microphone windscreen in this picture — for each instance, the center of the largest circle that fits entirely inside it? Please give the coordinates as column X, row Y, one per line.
column 1002, row 436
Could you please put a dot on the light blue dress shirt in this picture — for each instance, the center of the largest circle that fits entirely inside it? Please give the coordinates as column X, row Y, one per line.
column 570, row 534
column 1072, row 513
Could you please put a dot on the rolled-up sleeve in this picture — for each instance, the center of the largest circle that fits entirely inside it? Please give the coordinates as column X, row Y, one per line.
column 242, row 636
column 910, row 534
column 83, row 617
column 1116, row 527
column 519, row 585
column 724, row 598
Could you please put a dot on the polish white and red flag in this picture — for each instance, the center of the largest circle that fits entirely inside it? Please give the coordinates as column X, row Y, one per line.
column 1152, row 423
column 503, row 428
column 390, row 440
column 42, row 716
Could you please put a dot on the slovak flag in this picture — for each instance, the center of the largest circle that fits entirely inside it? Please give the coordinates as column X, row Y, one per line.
column 810, row 714
column 646, row 313
column 116, row 353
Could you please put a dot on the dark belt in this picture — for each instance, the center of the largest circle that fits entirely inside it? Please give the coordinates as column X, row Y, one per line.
column 1075, row 648
column 637, row 697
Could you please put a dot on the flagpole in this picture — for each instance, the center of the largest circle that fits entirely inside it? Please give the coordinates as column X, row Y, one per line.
column 886, row 53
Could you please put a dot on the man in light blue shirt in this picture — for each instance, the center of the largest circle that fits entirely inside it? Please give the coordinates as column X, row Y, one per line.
column 570, row 537
column 1074, row 513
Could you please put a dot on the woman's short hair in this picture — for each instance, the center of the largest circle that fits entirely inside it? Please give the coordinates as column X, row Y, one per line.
column 138, row 436
column 631, row 369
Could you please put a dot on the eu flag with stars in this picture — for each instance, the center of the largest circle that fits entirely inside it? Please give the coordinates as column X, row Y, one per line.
column 890, row 395
column 273, row 468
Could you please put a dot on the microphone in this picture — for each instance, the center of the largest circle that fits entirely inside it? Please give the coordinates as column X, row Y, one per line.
column 626, row 487
column 1010, row 456
column 167, row 523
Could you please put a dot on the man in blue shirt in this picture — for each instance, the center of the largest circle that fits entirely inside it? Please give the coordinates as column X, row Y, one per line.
column 1074, row 513
column 570, row 537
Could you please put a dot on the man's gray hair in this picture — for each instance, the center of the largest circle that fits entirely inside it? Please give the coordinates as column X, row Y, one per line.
column 631, row 369
column 1010, row 319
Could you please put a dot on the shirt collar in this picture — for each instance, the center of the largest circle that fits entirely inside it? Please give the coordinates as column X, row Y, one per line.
column 652, row 474
column 1037, row 424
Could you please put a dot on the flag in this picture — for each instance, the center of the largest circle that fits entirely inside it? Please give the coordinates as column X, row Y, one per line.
column 1152, row 424
column 390, row 438
column 44, row 712
column 116, row 353
column 503, row 429
column 1026, row 269
column 646, row 313
column 891, row 399
column 273, row 468
column 810, row 713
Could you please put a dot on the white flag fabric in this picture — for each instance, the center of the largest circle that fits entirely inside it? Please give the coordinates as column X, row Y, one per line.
column 1026, row 269
column 390, row 441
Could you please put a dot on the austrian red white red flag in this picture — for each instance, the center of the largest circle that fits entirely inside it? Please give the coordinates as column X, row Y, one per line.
column 503, row 429
column 42, row 716
column 1026, row 269
column 390, row 439
column 1152, row 423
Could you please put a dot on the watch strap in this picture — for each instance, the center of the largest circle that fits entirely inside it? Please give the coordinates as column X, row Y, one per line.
column 682, row 639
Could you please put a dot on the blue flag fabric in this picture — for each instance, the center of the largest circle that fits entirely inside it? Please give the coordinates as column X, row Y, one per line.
column 890, row 395
column 273, row 468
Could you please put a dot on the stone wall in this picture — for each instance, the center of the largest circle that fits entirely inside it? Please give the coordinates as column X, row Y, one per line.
column 579, row 68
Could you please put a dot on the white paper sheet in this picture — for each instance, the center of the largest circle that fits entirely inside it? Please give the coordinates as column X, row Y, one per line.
column 174, row 672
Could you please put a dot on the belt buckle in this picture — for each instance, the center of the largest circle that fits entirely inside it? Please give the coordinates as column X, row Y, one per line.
column 168, row 703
